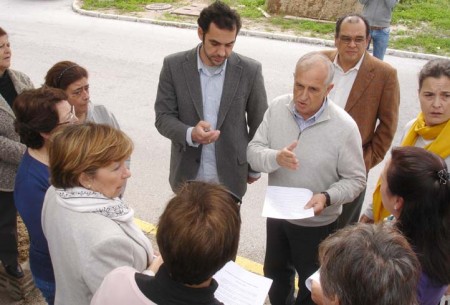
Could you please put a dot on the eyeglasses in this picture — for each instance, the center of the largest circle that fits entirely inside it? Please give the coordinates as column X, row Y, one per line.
column 71, row 117
column 347, row 40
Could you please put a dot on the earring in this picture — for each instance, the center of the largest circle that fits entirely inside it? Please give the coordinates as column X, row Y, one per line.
column 89, row 187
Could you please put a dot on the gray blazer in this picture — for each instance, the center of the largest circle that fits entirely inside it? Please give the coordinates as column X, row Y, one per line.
column 179, row 106
column 11, row 150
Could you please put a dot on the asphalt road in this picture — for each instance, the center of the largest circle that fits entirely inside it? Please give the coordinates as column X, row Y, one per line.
column 124, row 60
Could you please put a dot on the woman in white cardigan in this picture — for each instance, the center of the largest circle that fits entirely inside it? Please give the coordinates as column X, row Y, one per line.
column 89, row 230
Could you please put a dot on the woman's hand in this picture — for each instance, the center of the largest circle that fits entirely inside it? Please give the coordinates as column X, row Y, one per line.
column 156, row 263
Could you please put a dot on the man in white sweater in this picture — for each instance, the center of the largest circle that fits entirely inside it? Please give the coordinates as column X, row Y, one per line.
column 306, row 141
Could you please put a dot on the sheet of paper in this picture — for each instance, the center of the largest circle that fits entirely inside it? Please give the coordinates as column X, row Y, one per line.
column 314, row 277
column 287, row 203
column 238, row 286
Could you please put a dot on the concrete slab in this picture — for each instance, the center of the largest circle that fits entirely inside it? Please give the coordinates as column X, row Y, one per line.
column 190, row 10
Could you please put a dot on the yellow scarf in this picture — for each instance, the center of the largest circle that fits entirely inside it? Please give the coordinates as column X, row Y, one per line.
column 440, row 146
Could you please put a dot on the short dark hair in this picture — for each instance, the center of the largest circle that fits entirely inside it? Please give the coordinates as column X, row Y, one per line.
column 64, row 73
column 434, row 68
column 36, row 113
column 198, row 232
column 420, row 177
column 369, row 264
column 353, row 18
column 221, row 15
column 2, row 32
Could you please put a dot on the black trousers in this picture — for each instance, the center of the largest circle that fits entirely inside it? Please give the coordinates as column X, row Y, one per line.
column 8, row 229
column 289, row 249
column 351, row 211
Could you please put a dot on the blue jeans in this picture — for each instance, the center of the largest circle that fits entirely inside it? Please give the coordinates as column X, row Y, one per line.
column 380, row 39
column 47, row 289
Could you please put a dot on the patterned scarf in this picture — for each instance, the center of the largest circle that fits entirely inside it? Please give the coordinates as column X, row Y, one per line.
column 79, row 199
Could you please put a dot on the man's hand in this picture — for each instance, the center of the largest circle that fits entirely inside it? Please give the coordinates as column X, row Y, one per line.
column 287, row 158
column 317, row 202
column 365, row 219
column 203, row 134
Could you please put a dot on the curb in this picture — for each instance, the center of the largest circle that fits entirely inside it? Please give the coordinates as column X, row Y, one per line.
column 282, row 37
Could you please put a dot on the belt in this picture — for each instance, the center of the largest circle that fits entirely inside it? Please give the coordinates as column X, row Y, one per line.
column 377, row 28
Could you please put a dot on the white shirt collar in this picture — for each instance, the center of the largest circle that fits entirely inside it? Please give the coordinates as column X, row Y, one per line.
column 356, row 67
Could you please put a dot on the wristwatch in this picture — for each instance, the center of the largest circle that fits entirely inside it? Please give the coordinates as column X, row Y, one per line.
column 328, row 200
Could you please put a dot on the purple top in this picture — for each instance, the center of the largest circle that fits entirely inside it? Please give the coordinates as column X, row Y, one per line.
column 428, row 291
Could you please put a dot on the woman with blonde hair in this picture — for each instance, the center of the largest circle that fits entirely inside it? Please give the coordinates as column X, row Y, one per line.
column 89, row 229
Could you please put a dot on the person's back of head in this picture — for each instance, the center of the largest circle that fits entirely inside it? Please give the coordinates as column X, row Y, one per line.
column 368, row 264
column 198, row 232
column 37, row 114
column 421, row 179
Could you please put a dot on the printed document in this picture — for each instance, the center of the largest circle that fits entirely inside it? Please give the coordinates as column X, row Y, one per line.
column 238, row 286
column 314, row 277
column 287, row 203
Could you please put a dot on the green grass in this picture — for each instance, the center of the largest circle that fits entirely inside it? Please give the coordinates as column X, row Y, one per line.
column 121, row 5
column 427, row 25
column 417, row 25
column 303, row 25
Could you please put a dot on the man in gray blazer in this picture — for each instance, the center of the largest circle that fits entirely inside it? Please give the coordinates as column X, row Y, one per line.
column 210, row 102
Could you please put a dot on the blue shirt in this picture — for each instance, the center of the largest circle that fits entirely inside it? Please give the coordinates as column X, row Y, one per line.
column 211, row 81
column 302, row 123
column 32, row 182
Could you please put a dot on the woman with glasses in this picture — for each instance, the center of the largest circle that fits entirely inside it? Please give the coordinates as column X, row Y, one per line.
column 74, row 80
column 90, row 230
column 38, row 113
column 12, row 83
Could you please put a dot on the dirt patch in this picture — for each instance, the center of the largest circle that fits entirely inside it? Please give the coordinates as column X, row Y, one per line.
column 23, row 240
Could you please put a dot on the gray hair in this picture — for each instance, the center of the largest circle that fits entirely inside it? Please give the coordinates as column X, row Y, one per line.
column 310, row 59
column 369, row 264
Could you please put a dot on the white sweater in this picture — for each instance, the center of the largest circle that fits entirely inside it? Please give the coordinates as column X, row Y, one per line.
column 329, row 154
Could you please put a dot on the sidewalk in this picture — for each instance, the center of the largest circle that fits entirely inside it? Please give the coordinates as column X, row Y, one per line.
column 34, row 296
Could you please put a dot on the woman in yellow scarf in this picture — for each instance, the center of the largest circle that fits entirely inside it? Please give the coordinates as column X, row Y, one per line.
column 431, row 128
